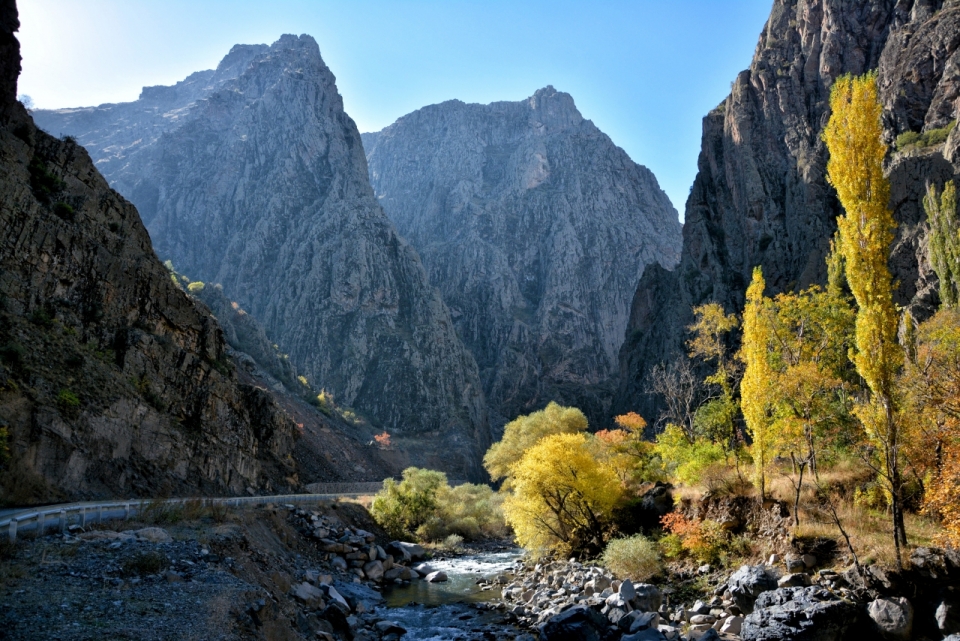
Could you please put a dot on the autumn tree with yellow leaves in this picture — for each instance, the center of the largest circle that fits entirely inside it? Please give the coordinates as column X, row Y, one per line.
column 855, row 169
column 562, row 496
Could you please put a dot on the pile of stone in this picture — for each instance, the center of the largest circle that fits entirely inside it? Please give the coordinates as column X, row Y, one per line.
column 356, row 552
column 784, row 599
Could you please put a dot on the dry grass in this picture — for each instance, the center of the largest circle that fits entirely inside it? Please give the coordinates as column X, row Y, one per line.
column 870, row 530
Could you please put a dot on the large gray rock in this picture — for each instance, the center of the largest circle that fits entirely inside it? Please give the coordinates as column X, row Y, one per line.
column 648, row 597
column 259, row 182
column 799, row 614
column 748, row 583
column 578, row 623
column 761, row 197
column 536, row 228
column 893, row 617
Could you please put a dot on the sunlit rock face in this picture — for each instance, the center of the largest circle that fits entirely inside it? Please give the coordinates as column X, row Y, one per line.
column 761, row 195
column 253, row 176
column 536, row 228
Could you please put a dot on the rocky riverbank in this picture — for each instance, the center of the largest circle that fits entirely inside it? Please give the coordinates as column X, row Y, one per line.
column 278, row 572
column 785, row 599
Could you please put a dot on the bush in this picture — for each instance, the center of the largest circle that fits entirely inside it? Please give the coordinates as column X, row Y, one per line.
column 912, row 139
column 706, row 541
column 907, row 138
column 686, row 461
column 401, row 508
column 64, row 211
column 195, row 287
column 636, row 557
column 424, row 507
column 69, row 403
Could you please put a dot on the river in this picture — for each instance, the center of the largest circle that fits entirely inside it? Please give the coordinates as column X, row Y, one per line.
column 456, row 609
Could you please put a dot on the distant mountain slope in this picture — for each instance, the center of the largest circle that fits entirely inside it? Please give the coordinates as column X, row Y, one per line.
column 113, row 382
column 260, row 184
column 536, row 228
column 761, row 196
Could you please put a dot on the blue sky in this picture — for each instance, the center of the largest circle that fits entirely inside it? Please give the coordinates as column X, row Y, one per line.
column 645, row 71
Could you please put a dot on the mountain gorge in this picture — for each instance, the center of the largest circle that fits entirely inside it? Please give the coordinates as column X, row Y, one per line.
column 536, row 228
column 761, row 196
column 252, row 176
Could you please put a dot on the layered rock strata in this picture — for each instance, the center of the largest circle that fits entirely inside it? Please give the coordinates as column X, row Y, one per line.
column 258, row 182
column 536, row 228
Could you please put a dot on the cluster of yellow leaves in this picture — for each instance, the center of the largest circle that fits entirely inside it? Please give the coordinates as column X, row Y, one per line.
column 520, row 434
column 561, row 495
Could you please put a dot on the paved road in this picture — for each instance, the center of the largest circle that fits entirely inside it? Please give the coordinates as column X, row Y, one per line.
column 19, row 520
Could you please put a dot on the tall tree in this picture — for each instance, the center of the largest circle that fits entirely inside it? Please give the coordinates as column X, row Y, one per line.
column 944, row 240
column 855, row 169
column 757, row 381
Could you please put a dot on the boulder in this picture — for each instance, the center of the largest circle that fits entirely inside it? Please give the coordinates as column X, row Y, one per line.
column 644, row 620
column 733, row 625
column 436, row 577
column 406, row 551
column 390, row 627
column 948, row 616
column 336, row 597
column 893, row 617
column 578, row 623
column 373, row 570
column 794, row 580
column 799, row 614
column 309, row 595
column 647, row 598
column 748, row 583
column 703, row 635
column 153, row 535
column 627, row 590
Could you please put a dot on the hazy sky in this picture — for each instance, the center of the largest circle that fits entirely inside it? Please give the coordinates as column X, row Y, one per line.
column 645, row 71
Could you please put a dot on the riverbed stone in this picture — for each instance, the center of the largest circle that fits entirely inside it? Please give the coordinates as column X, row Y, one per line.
column 627, row 590
column 578, row 623
column 436, row 577
column 799, row 614
column 893, row 617
column 748, row 583
column 648, row 597
column 373, row 570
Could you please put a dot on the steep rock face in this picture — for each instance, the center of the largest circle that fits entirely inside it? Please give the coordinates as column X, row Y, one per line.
column 112, row 381
column 536, row 228
column 761, row 196
column 262, row 186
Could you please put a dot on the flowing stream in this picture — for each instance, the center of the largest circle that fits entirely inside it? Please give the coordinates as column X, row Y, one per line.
column 453, row 609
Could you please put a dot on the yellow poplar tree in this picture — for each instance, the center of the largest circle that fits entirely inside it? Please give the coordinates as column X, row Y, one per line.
column 855, row 170
column 757, row 377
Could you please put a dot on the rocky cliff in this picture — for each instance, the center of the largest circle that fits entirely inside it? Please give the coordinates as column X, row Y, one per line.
column 113, row 382
column 761, row 197
column 257, row 180
column 536, row 228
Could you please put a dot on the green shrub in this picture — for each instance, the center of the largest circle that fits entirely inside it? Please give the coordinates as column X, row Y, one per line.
column 195, row 287
column 452, row 542
column 401, row 508
column 41, row 317
column 43, row 183
column 636, row 557
column 64, row 211
column 424, row 506
column 907, row 138
column 69, row 403
column 912, row 139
